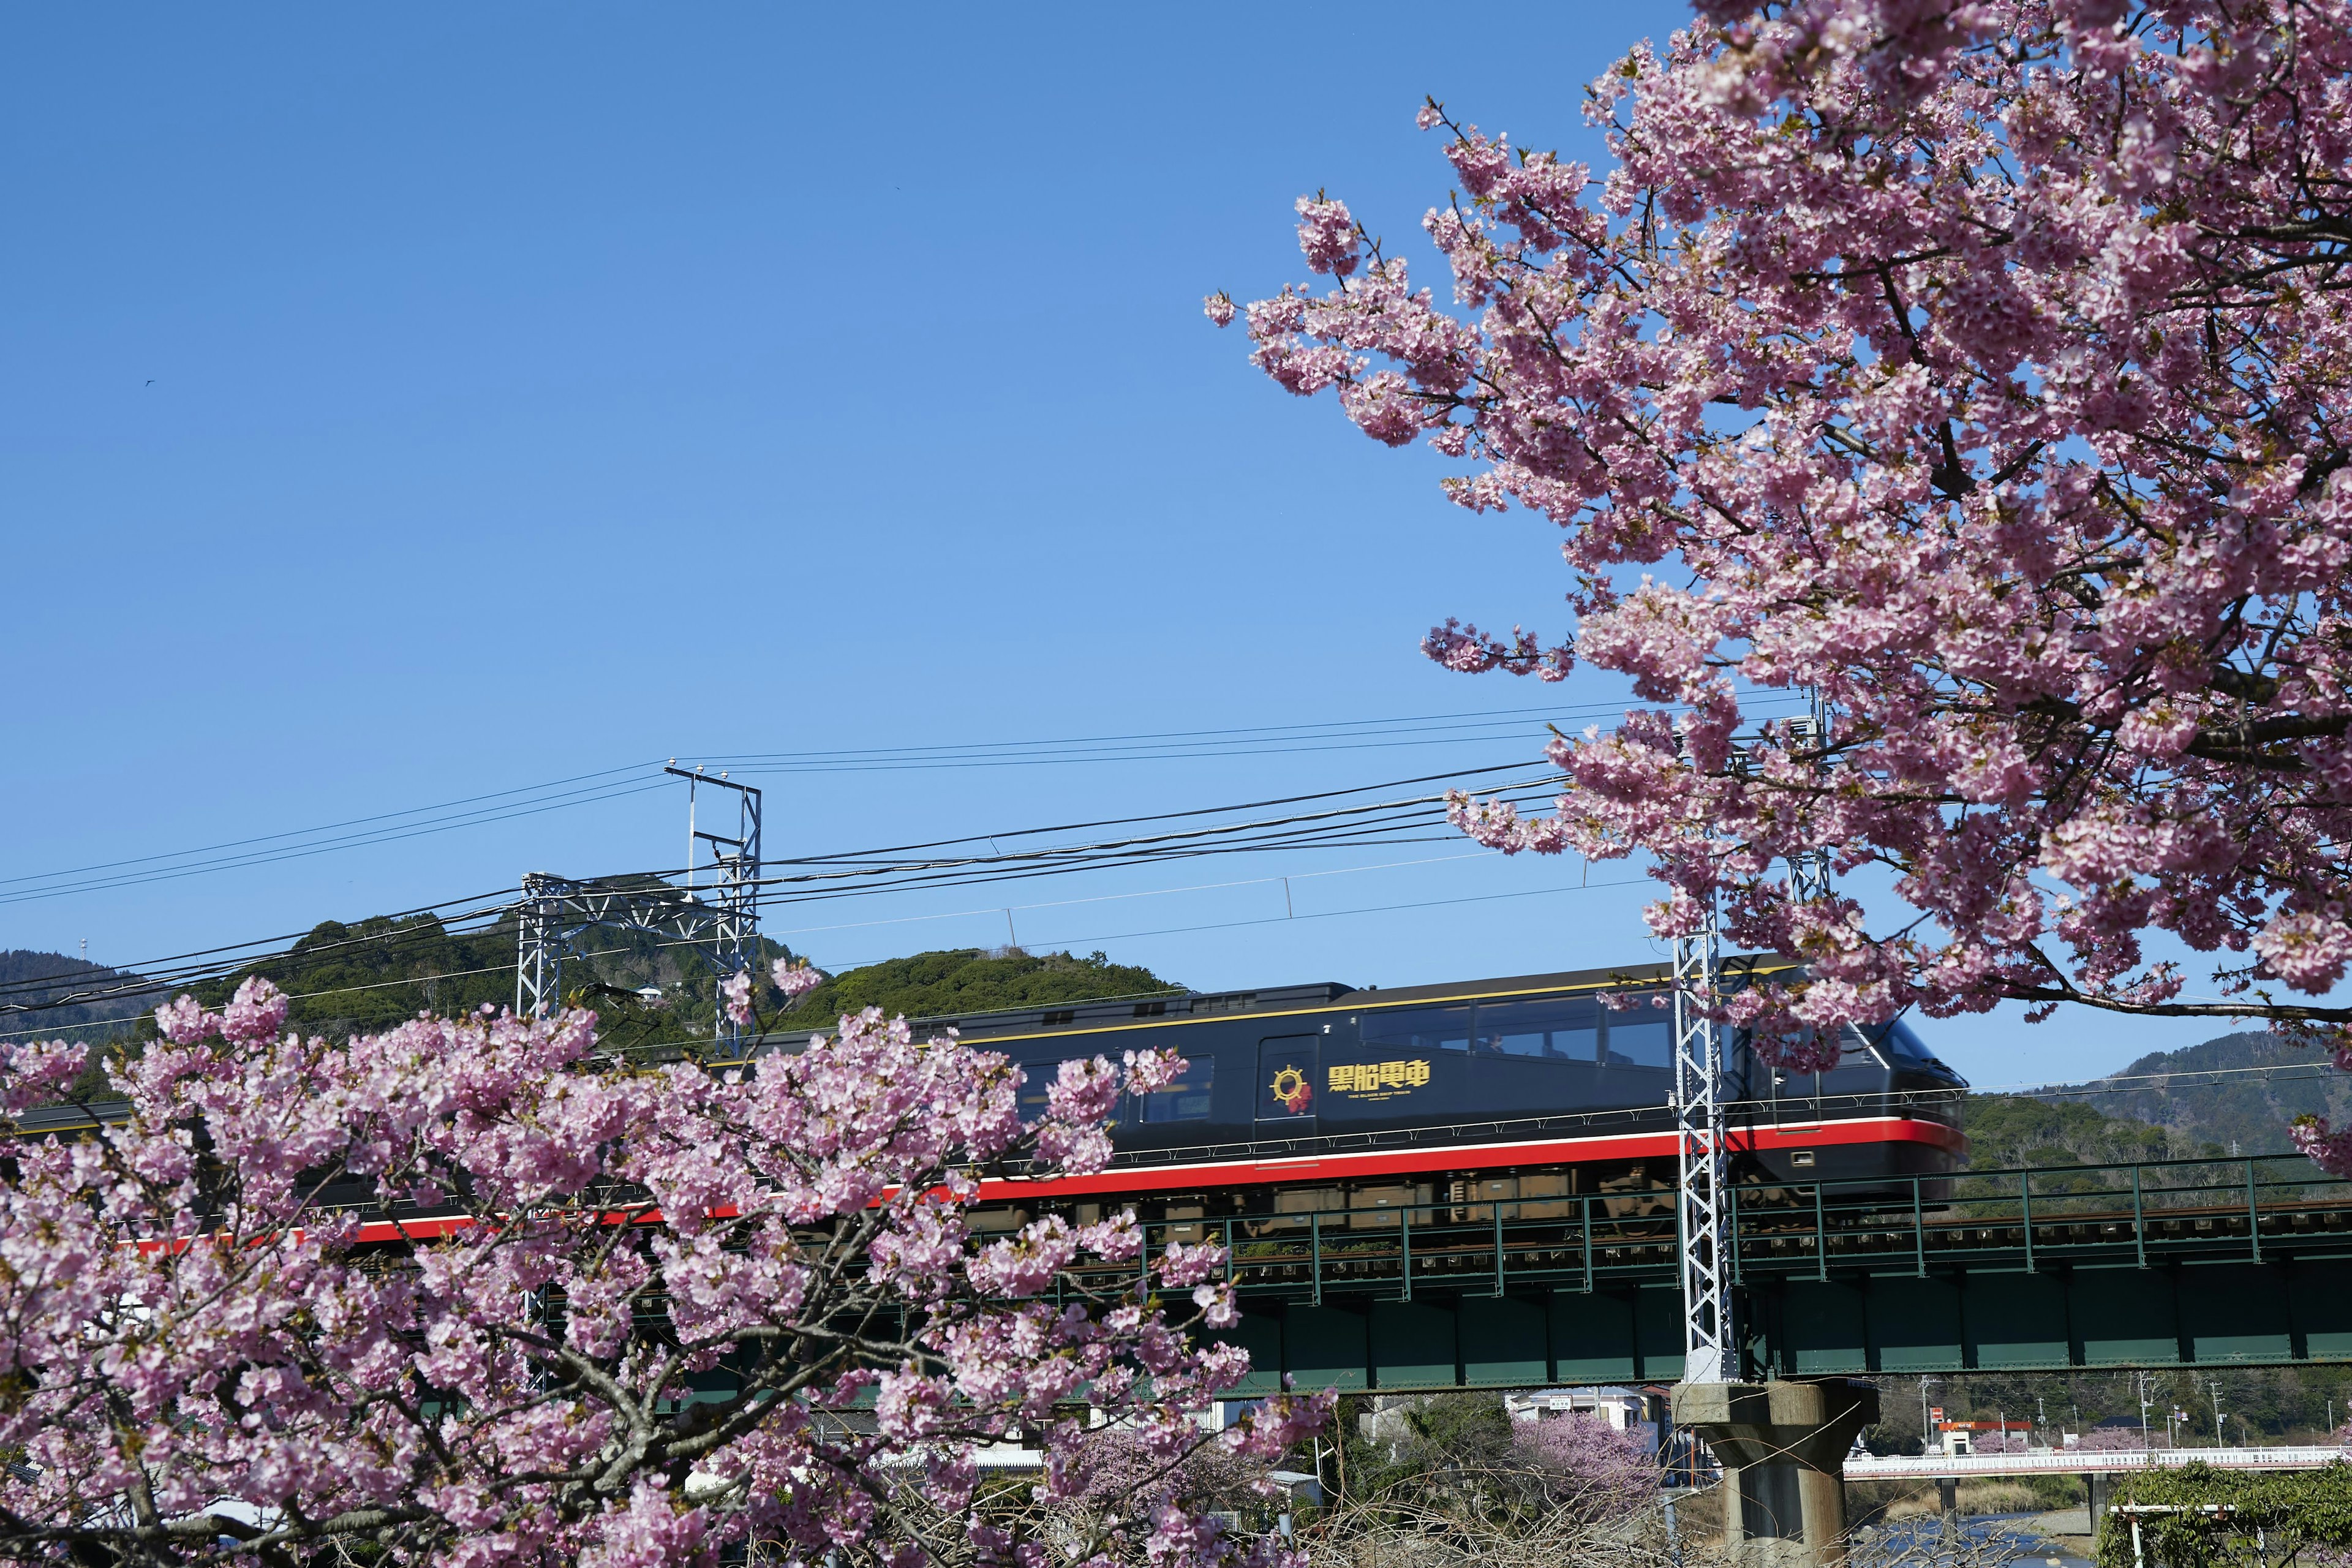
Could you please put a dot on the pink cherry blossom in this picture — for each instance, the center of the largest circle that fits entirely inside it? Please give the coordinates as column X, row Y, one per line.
column 1975, row 367
column 735, row 995
column 795, row 978
column 470, row 1292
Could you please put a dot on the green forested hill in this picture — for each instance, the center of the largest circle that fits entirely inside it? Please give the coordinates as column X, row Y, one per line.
column 51, row 977
column 2239, row 1089
column 370, row 975
column 969, row 980
column 2006, row 1130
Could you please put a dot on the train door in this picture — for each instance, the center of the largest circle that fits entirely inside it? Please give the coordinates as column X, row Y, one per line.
column 1286, row 1084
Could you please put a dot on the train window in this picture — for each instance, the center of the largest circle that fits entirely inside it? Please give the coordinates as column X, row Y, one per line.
column 1855, row 1049
column 1561, row 1027
column 1641, row 1036
column 1419, row 1029
column 1898, row 1038
column 1037, row 1078
column 1186, row 1100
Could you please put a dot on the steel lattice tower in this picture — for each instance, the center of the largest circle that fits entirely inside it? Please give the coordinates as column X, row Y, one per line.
column 1710, row 1352
column 1710, row 1344
column 1809, row 872
column 554, row 912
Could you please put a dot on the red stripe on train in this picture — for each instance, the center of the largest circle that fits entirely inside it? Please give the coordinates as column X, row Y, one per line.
column 1465, row 1157
column 1372, row 1162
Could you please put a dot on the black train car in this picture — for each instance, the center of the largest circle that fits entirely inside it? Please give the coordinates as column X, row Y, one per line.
column 1523, row 1087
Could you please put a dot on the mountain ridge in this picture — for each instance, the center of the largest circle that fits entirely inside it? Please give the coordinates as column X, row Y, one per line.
column 2241, row 1091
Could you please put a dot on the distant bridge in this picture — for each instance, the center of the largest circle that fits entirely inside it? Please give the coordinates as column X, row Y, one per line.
column 2087, row 1461
column 2243, row 1262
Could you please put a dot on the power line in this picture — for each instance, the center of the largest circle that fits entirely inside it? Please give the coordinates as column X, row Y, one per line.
column 1172, row 839
column 171, row 874
column 149, row 975
column 305, row 832
column 1116, row 898
column 1328, row 914
column 2167, row 1079
column 1174, row 816
column 592, row 788
column 142, row 979
column 927, row 754
column 614, row 783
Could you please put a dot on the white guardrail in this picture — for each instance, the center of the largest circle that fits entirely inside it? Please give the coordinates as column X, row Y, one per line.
column 2086, row 1461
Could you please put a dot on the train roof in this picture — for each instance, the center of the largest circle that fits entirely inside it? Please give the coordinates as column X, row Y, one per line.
column 1104, row 1011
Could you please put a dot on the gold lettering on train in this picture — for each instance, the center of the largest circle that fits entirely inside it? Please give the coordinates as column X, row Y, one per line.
column 1378, row 1080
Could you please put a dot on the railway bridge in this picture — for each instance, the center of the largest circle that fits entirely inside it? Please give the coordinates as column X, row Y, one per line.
column 2244, row 1262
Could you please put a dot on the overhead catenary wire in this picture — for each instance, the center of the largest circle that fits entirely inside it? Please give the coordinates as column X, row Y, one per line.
column 1431, row 729
column 508, row 967
column 991, row 911
column 302, row 852
column 144, row 978
column 1170, row 838
column 304, row 832
column 852, row 856
column 151, row 975
column 14, row 891
column 1460, row 728
column 1079, row 747
column 1377, row 824
column 1175, row 816
column 2173, row 1079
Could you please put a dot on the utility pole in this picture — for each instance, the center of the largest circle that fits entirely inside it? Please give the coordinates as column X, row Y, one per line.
column 2215, row 1385
column 2147, row 1380
column 1926, row 1432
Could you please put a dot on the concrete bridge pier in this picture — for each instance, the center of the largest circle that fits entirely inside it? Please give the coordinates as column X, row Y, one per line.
column 1782, row 1447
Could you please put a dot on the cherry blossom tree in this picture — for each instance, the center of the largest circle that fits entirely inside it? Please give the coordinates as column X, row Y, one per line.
column 1981, row 367
column 2114, row 1440
column 1589, row 1468
column 470, row 1293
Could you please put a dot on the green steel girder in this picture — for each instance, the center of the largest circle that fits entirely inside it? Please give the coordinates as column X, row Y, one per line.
column 2165, row 1265
column 2189, row 1315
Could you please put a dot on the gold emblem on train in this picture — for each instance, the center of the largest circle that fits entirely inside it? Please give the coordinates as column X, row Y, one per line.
column 1290, row 1087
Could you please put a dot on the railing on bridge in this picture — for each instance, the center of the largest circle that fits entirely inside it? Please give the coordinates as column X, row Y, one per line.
column 2087, row 1461
column 2141, row 1214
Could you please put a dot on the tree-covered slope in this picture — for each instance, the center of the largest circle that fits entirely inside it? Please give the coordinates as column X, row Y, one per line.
column 2006, row 1130
column 970, row 980
column 2239, row 1089
column 54, row 977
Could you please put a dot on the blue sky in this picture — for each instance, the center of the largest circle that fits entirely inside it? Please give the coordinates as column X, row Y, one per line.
column 400, row 405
